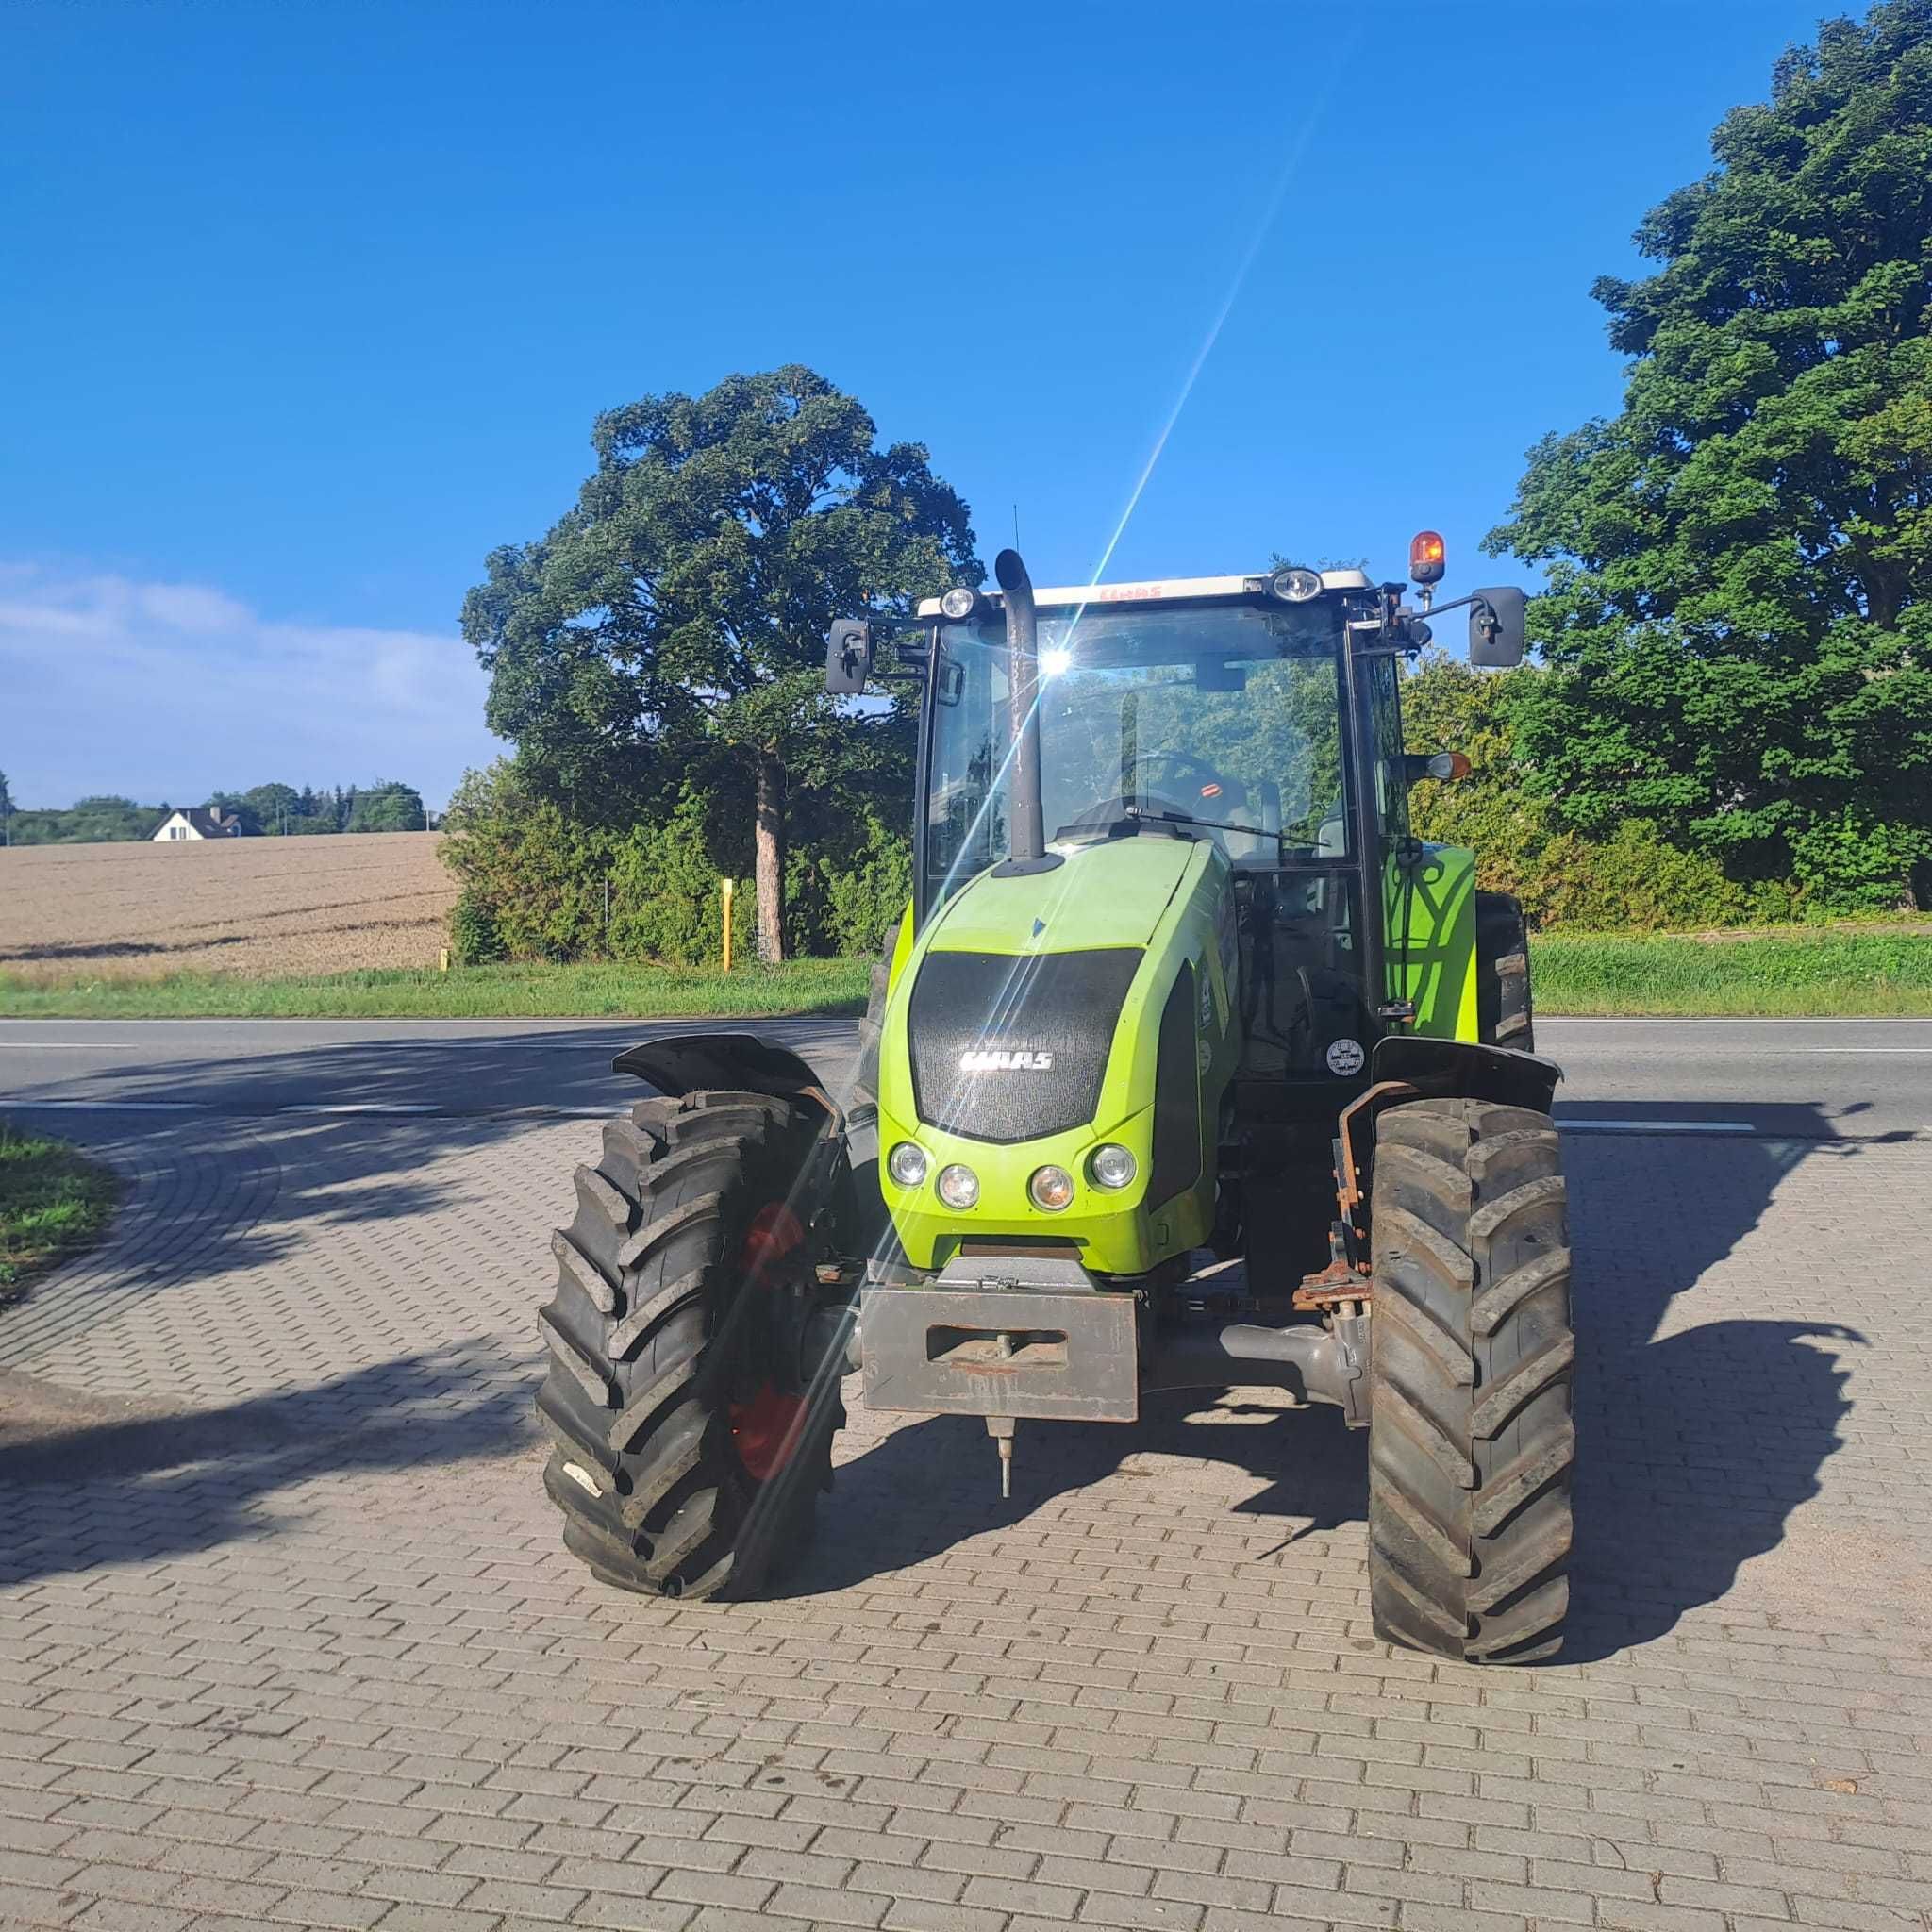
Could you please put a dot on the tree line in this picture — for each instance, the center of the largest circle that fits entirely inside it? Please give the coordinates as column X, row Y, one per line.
column 281, row 810
column 1730, row 718
column 265, row 810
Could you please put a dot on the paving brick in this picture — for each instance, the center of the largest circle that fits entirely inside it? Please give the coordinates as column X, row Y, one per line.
column 1642, row 1915
column 33, row 1905
column 925, row 1915
column 119, row 1915
column 415, row 1917
column 820, row 1904
column 329, row 1908
column 547, row 1904
column 1532, row 1902
column 1121, row 1908
column 36, row 1868
column 715, row 1888
column 137, row 1884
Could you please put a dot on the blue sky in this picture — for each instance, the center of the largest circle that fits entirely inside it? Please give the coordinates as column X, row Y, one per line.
column 304, row 307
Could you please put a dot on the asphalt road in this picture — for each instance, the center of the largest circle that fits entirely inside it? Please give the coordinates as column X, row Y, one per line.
column 1811, row 1079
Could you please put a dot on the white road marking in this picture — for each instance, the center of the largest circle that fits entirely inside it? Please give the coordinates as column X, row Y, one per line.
column 1569, row 1126
column 358, row 1106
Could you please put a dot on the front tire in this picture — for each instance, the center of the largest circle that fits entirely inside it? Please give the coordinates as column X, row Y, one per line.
column 1472, row 1445
column 687, row 1459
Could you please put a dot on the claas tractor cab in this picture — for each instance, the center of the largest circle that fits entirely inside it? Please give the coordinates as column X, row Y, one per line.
column 1189, row 1067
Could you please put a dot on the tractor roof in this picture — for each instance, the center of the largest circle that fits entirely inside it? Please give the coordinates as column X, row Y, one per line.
column 1163, row 591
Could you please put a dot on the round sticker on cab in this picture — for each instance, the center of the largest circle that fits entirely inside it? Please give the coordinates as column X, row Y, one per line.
column 1345, row 1057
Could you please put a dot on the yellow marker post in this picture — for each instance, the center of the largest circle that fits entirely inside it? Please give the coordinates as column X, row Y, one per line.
column 442, row 960
column 724, row 886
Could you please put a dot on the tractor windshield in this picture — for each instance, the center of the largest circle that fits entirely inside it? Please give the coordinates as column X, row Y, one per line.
column 1224, row 715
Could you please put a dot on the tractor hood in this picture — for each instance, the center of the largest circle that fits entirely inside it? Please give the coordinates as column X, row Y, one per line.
column 1110, row 893
column 1020, row 985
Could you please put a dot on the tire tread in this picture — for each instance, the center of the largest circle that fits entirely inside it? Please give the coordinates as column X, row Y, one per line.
column 1472, row 1442
column 645, row 1301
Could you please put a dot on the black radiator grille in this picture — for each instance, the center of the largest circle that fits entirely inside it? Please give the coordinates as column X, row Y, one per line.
column 1010, row 1049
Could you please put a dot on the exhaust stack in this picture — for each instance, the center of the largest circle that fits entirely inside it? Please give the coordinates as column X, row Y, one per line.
column 1027, row 826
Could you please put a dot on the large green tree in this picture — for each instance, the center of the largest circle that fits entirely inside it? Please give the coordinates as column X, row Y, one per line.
column 673, row 621
column 273, row 806
column 1739, row 617
column 387, row 807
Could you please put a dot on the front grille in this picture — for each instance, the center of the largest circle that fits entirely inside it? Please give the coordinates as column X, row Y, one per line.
column 1063, row 1007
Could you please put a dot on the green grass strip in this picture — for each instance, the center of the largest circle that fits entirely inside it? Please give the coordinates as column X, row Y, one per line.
column 52, row 1204
column 595, row 989
column 1787, row 975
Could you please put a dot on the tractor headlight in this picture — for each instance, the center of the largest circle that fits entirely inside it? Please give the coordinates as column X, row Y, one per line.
column 962, row 600
column 958, row 1186
column 907, row 1164
column 1295, row 585
column 1051, row 1188
column 1112, row 1166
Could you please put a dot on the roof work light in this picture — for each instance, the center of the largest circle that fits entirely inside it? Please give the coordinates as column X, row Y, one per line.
column 1294, row 585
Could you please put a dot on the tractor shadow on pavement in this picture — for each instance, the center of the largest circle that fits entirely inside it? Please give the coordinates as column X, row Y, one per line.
column 1696, row 1443
column 1701, row 1429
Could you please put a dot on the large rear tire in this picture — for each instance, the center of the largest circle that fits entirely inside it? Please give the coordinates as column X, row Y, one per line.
column 687, row 1459
column 1506, row 1013
column 1471, row 1444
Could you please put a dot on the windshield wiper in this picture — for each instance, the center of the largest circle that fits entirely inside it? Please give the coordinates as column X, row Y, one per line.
column 1187, row 818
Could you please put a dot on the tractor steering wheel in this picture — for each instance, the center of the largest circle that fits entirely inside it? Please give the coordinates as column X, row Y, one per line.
column 1228, row 793
column 1194, row 773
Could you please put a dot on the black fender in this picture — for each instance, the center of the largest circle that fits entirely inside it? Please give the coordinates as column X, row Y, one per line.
column 1407, row 1066
column 677, row 1063
column 1450, row 1068
column 681, row 1063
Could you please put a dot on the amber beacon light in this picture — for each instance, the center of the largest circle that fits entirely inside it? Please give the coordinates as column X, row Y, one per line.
column 1426, row 558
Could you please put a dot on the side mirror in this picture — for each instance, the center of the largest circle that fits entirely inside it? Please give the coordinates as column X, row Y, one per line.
column 848, row 656
column 1496, row 629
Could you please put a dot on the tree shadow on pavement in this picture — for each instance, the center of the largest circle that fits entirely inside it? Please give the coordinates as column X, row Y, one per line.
column 89, row 1483
column 472, row 1075
column 1696, row 1446
column 276, row 1148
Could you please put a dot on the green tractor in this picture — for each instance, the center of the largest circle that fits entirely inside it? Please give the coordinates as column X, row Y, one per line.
column 1189, row 1067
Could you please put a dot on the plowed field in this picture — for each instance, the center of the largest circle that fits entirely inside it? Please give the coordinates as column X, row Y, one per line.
column 255, row 907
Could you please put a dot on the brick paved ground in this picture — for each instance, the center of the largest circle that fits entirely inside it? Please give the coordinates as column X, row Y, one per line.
column 287, row 1638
